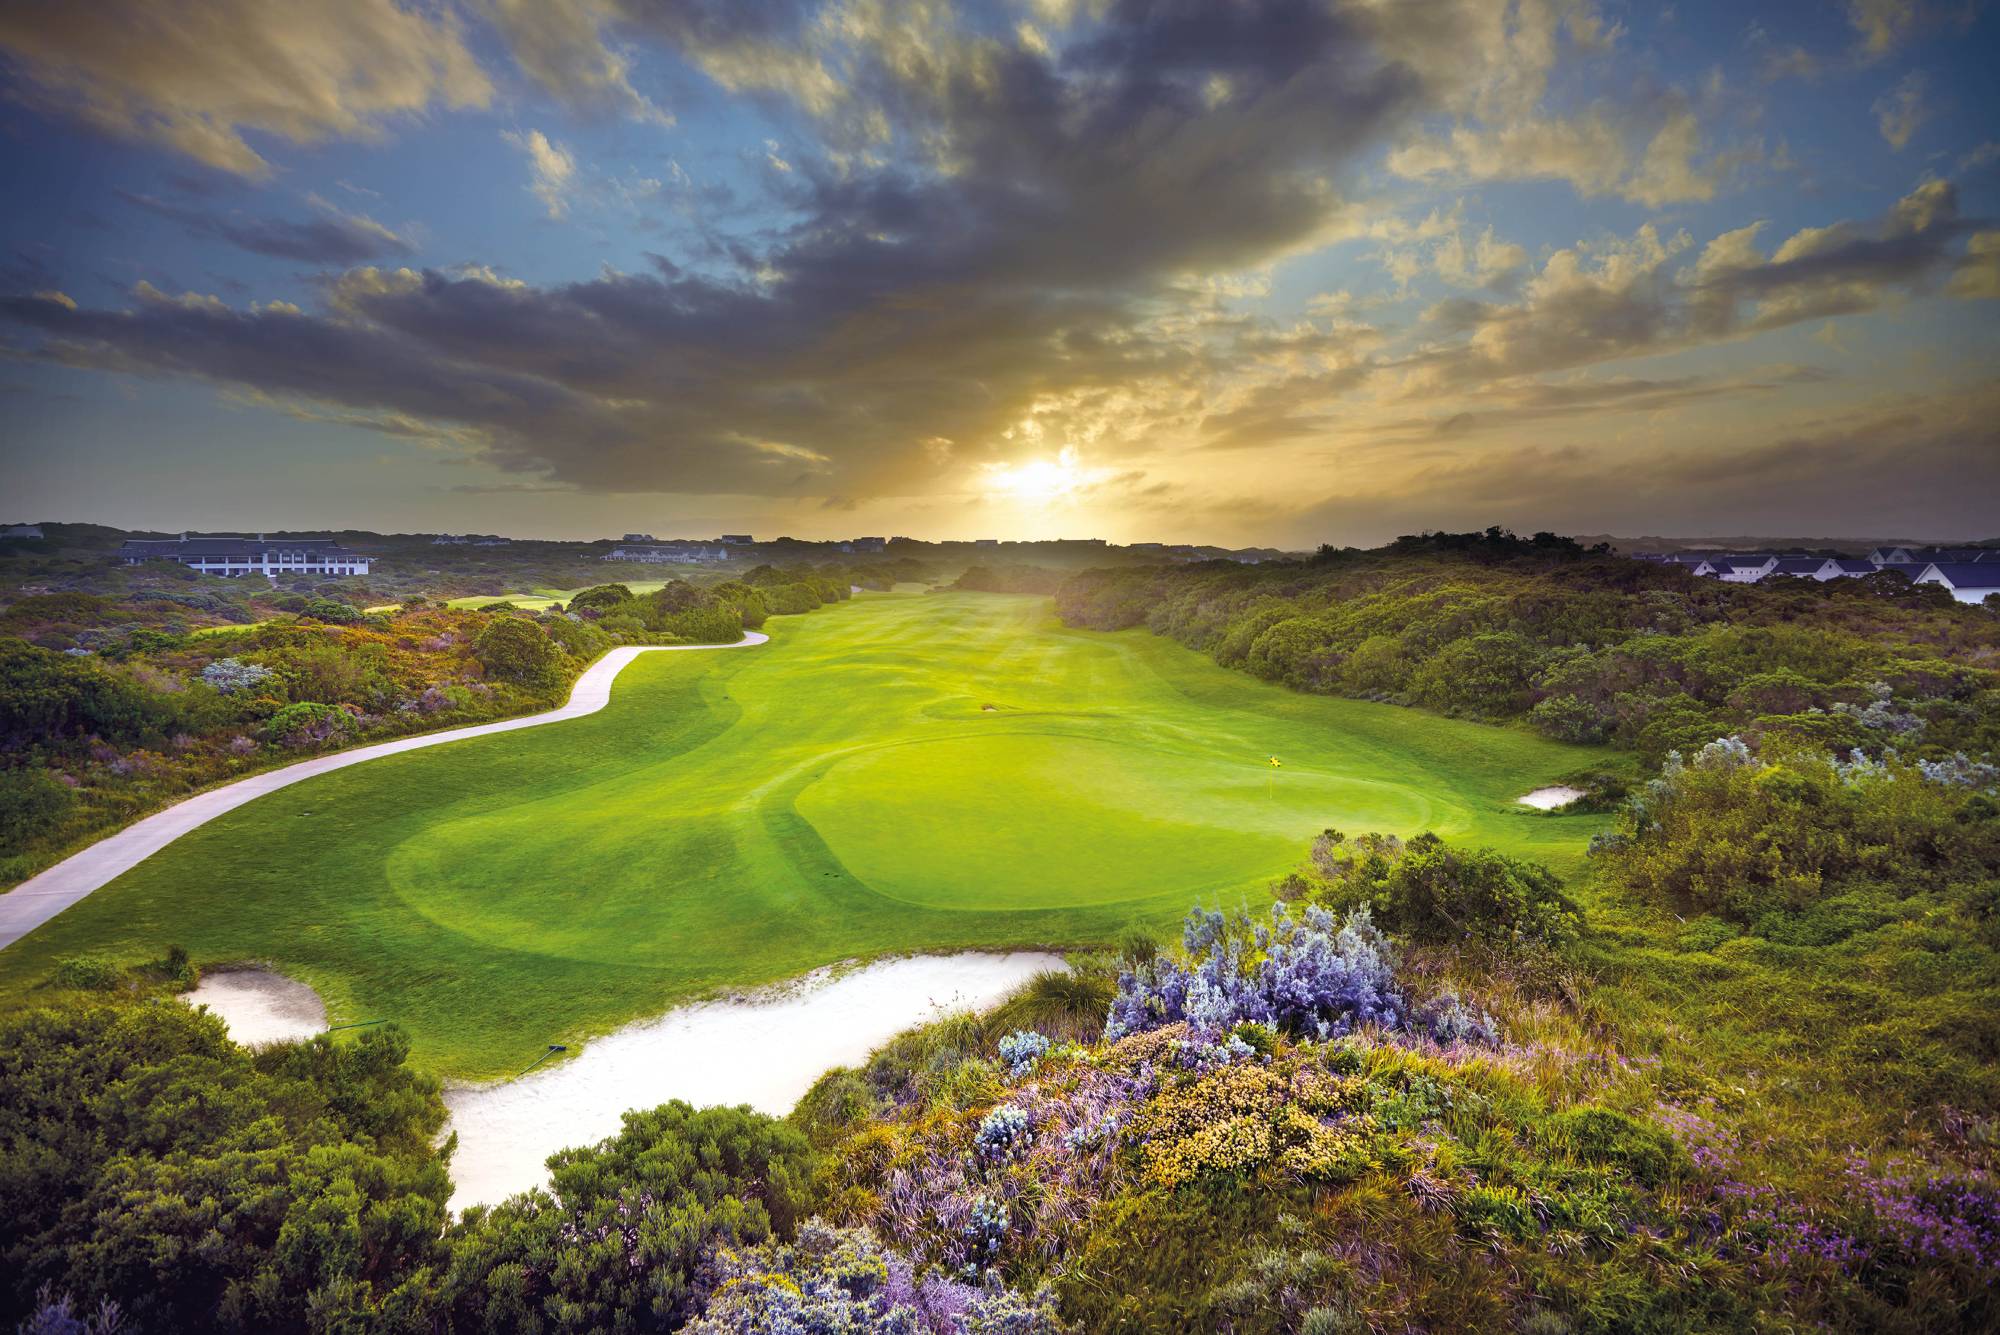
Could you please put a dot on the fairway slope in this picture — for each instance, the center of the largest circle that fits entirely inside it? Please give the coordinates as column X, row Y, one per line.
column 39, row 898
column 733, row 819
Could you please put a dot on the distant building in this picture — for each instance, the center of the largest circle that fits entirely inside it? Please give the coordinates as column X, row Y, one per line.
column 1969, row 581
column 1802, row 567
column 1844, row 567
column 870, row 544
column 639, row 537
column 21, row 531
column 986, row 542
column 1743, row 569
column 1883, row 556
column 677, row 554
column 249, row 556
column 737, row 540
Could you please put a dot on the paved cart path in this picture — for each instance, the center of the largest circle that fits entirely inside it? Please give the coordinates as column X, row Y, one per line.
column 40, row 898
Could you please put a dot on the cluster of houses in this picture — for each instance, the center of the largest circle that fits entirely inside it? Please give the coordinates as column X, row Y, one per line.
column 1970, row 573
column 249, row 556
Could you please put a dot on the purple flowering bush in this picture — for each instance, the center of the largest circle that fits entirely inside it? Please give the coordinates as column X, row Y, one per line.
column 1309, row 976
column 841, row 1281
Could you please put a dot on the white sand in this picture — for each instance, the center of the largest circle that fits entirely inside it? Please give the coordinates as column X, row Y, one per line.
column 764, row 1050
column 260, row 1006
column 1548, row 799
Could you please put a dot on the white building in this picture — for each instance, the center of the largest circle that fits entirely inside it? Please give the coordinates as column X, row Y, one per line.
column 1741, row 569
column 1969, row 581
column 677, row 554
column 249, row 556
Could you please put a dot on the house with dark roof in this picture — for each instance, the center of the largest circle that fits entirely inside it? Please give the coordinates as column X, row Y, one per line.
column 1801, row 567
column 1969, row 581
column 1847, row 567
column 249, row 556
column 1744, row 568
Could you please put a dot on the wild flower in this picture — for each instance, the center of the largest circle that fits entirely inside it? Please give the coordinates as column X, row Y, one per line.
column 1022, row 1050
column 1003, row 1135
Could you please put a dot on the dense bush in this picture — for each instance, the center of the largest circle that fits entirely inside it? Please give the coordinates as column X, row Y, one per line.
column 144, row 1157
column 1435, row 894
column 516, row 650
column 1747, row 835
column 331, row 610
column 311, row 724
column 1310, row 976
column 618, row 1240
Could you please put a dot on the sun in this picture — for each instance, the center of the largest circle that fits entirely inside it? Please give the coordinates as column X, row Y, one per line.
column 1037, row 481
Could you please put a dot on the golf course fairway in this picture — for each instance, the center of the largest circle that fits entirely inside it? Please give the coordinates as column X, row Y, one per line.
column 903, row 772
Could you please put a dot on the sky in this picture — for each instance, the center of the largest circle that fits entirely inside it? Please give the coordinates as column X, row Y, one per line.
column 1239, row 271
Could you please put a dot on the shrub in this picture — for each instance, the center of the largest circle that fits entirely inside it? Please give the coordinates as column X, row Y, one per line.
column 32, row 802
column 1437, row 894
column 602, row 598
column 1310, row 977
column 514, row 649
column 230, row 675
column 330, row 610
column 618, row 1240
column 1062, row 1003
column 309, row 723
column 842, row 1280
column 85, row 973
column 1022, row 1050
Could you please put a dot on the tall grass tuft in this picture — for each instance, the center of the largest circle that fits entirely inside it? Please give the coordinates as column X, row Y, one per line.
column 1060, row 1004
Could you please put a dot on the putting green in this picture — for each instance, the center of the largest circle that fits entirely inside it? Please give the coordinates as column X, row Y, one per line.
column 903, row 772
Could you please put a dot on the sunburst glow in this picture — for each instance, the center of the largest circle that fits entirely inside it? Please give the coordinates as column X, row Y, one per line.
column 1038, row 481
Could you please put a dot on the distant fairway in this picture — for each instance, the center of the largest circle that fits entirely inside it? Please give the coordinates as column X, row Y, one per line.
column 903, row 772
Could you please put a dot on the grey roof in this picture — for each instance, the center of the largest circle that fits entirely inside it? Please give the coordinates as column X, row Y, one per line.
column 1850, row 566
column 1968, row 574
column 1799, row 565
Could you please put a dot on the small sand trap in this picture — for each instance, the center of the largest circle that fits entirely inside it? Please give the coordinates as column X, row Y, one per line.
column 1548, row 799
column 260, row 1006
column 764, row 1050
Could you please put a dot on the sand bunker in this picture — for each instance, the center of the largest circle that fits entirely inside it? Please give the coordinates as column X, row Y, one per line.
column 1548, row 799
column 764, row 1050
column 260, row 1006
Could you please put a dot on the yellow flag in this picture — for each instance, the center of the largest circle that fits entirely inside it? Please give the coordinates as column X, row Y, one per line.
column 1275, row 762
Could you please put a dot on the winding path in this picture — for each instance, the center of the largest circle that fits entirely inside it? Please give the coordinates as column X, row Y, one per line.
column 41, row 897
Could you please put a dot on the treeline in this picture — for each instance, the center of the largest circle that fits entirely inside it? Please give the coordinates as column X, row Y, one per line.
column 1011, row 579
column 1584, row 646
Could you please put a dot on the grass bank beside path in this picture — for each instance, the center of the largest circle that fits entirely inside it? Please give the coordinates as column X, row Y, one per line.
column 898, row 773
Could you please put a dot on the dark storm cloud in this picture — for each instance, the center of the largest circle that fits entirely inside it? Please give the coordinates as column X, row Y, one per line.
column 333, row 237
column 1028, row 215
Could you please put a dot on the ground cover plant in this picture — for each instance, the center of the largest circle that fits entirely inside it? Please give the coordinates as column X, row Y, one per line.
column 899, row 772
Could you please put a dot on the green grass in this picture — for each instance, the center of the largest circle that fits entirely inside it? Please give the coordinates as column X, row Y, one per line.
column 539, row 599
column 742, row 816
